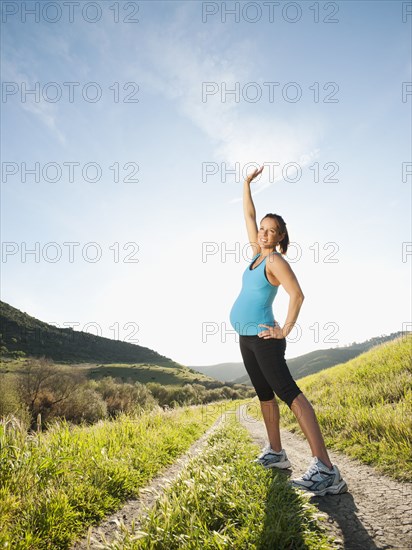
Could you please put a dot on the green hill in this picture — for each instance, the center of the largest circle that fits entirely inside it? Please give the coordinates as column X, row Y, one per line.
column 364, row 405
column 95, row 356
column 301, row 366
column 22, row 332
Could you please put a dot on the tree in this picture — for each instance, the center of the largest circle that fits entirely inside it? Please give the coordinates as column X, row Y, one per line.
column 43, row 385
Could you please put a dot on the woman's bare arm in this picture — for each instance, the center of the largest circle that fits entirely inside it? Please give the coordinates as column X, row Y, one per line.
column 280, row 268
column 249, row 211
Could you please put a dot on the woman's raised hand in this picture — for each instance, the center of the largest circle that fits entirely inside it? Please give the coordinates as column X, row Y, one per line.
column 254, row 174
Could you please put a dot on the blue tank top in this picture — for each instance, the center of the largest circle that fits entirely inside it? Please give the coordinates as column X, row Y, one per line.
column 254, row 303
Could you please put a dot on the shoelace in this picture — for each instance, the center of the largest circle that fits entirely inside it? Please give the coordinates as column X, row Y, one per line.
column 313, row 469
column 266, row 450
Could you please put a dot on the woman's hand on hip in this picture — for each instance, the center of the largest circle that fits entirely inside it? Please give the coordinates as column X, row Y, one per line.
column 273, row 331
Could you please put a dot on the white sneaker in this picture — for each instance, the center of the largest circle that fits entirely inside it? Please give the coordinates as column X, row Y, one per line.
column 271, row 459
column 320, row 480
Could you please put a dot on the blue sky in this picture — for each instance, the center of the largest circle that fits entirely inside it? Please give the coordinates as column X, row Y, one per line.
column 179, row 223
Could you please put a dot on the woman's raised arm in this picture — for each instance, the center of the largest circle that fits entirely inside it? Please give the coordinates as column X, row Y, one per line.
column 250, row 212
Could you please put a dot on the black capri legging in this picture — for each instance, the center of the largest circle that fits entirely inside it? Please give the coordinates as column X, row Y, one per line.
column 264, row 360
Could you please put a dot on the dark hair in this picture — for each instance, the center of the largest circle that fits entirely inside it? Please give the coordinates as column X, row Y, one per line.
column 284, row 243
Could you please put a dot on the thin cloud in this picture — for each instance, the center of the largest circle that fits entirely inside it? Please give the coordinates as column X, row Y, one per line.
column 179, row 69
column 15, row 72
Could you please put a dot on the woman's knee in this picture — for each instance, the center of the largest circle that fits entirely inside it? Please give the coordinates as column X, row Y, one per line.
column 300, row 405
column 265, row 396
column 290, row 396
column 265, row 402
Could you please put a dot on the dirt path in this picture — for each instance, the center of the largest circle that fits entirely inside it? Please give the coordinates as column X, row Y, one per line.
column 136, row 508
column 376, row 512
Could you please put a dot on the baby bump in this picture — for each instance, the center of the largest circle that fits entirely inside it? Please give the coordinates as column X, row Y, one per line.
column 245, row 318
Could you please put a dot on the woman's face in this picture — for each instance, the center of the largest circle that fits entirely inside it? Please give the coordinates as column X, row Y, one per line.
column 269, row 234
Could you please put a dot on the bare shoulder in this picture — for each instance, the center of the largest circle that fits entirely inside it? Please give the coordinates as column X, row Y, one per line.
column 277, row 260
column 278, row 265
column 281, row 271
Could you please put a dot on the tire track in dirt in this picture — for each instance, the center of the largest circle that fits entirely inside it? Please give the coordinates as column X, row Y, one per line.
column 376, row 511
column 136, row 508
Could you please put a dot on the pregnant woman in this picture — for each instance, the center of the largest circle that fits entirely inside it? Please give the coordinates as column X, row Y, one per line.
column 263, row 342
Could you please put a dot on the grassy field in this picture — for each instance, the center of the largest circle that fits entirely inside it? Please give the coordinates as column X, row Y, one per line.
column 223, row 500
column 55, row 484
column 364, row 407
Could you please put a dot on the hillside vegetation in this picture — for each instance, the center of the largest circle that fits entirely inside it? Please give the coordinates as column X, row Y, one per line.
column 364, row 407
column 321, row 359
column 55, row 484
column 301, row 366
column 37, row 391
column 145, row 373
column 224, row 500
column 21, row 334
column 122, row 372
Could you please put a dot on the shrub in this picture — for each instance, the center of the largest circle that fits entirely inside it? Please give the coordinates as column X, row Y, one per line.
column 84, row 405
column 10, row 402
column 43, row 387
column 123, row 396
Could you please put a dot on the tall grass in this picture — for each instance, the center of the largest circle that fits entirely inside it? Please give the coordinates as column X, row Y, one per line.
column 54, row 484
column 364, row 407
column 223, row 500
